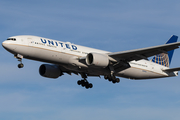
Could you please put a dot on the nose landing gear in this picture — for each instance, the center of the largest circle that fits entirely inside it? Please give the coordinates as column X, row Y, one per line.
column 19, row 57
column 20, row 65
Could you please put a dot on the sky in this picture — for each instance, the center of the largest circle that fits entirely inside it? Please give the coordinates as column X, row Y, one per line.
column 115, row 25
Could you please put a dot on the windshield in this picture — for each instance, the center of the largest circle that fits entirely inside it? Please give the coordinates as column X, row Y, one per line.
column 14, row 39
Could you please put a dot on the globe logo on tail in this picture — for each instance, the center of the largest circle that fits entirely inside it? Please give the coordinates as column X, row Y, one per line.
column 161, row 59
column 165, row 58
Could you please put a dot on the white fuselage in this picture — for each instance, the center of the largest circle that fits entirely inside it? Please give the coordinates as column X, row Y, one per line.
column 67, row 55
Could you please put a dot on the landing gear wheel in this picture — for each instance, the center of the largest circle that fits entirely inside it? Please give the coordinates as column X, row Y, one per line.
column 82, row 83
column 87, row 86
column 85, row 83
column 90, row 85
column 105, row 77
column 110, row 80
column 79, row 82
column 114, row 81
column 117, row 80
column 20, row 65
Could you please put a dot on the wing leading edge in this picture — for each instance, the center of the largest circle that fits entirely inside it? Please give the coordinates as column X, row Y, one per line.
column 144, row 53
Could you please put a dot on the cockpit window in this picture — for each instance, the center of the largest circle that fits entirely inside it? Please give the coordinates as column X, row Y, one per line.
column 14, row 39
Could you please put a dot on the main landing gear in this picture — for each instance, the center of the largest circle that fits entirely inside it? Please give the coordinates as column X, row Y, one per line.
column 112, row 79
column 84, row 82
column 19, row 57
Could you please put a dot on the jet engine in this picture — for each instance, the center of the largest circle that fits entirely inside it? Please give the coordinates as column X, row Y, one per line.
column 50, row 71
column 97, row 60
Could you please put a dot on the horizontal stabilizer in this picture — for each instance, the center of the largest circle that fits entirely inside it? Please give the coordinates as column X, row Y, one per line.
column 172, row 69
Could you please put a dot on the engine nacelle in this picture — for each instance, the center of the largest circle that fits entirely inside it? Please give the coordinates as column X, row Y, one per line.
column 98, row 60
column 50, row 71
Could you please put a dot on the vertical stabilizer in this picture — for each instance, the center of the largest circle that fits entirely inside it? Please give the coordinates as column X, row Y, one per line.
column 165, row 58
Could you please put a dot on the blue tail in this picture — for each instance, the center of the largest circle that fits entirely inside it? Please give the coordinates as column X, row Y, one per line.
column 165, row 58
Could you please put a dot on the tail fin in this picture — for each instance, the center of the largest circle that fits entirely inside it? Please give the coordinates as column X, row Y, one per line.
column 165, row 58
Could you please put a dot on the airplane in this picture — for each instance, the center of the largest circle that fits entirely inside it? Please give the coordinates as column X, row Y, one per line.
column 65, row 57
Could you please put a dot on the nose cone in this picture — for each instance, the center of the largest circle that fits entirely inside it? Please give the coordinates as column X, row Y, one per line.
column 4, row 44
column 8, row 46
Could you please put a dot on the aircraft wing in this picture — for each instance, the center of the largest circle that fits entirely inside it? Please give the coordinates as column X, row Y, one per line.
column 172, row 69
column 143, row 53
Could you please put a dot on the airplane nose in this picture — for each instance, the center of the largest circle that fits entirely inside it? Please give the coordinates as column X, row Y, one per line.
column 4, row 44
column 8, row 46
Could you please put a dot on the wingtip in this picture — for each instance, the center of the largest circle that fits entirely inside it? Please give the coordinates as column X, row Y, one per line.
column 172, row 39
column 174, row 36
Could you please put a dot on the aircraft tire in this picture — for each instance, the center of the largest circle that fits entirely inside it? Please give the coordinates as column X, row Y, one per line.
column 117, row 80
column 114, row 81
column 79, row 82
column 105, row 77
column 87, row 86
column 110, row 80
column 90, row 85
column 20, row 65
column 82, row 83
